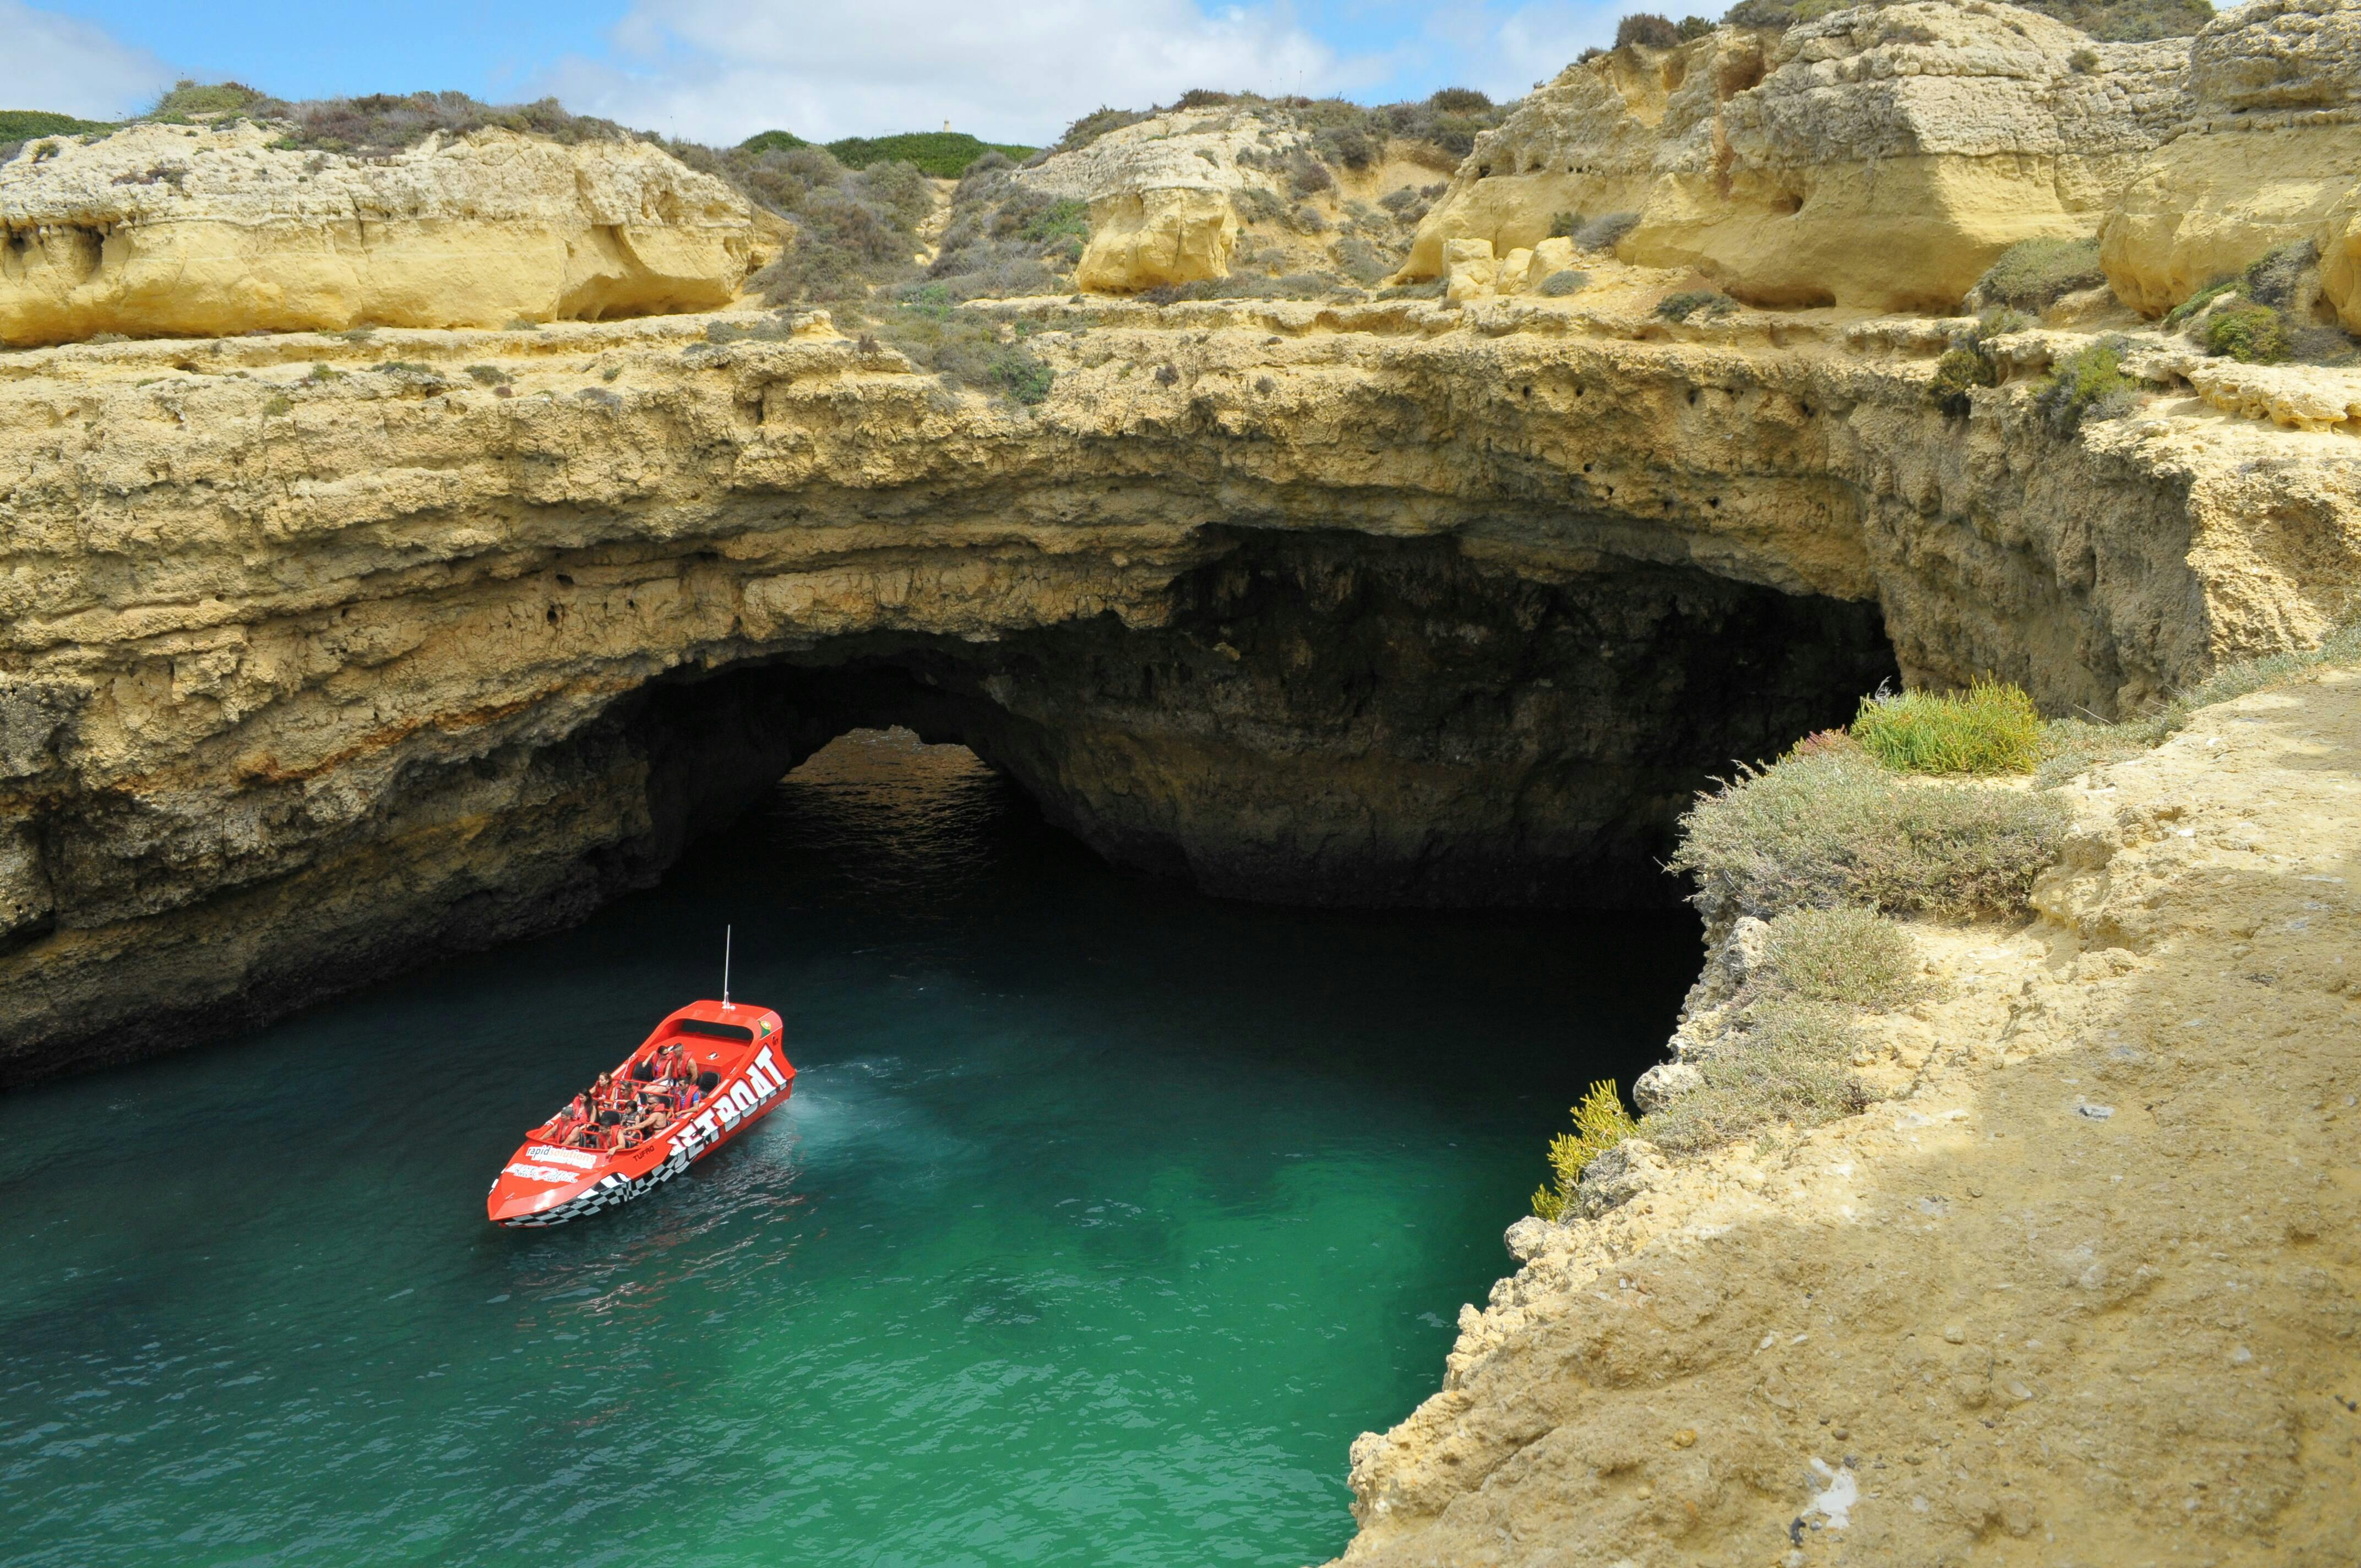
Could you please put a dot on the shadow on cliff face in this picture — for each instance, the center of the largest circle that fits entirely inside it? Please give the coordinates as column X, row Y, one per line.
column 1325, row 720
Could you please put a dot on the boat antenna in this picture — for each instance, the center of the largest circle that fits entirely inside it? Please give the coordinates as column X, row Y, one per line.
column 725, row 966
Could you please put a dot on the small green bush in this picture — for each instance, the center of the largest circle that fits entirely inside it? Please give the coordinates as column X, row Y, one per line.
column 1988, row 728
column 1682, row 306
column 1565, row 281
column 488, row 374
column 1565, row 226
column 1789, row 1064
column 1855, row 957
column 2251, row 333
column 2276, row 278
column 2085, row 385
column 18, row 127
column 1969, row 364
column 189, row 98
column 1646, row 29
column 1067, row 219
column 2032, row 274
column 2199, row 299
column 1957, row 374
column 1600, row 1124
column 1836, row 827
column 1605, row 233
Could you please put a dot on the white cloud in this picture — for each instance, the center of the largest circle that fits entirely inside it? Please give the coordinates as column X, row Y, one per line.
column 74, row 67
column 720, row 69
column 1535, row 42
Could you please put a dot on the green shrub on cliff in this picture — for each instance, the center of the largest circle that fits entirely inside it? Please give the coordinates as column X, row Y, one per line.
column 1957, row 374
column 1988, row 728
column 18, row 127
column 2033, row 273
column 2085, row 386
column 1788, row 1062
column 2199, row 299
column 188, row 99
column 1600, row 1124
column 2251, row 333
column 967, row 347
column 1694, row 301
column 1836, row 826
column 1855, row 958
column 1646, row 29
column 1969, row 363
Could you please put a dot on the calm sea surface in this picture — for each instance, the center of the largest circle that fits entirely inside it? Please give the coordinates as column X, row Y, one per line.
column 1102, row 1218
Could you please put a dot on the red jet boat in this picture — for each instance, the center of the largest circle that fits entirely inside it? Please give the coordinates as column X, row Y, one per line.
column 740, row 1078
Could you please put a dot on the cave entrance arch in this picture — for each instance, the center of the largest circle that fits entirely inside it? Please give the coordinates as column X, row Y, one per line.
column 1321, row 719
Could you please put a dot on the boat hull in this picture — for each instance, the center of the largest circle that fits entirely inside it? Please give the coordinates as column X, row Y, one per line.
column 546, row 1183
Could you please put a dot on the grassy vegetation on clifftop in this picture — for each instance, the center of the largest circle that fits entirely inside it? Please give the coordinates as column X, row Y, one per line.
column 1988, row 728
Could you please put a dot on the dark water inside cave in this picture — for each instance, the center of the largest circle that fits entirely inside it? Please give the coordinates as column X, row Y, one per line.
column 1102, row 1218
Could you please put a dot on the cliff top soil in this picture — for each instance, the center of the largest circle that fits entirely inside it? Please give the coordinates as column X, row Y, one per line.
column 2084, row 1292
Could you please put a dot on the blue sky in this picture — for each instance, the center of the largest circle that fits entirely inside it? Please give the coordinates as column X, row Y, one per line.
column 720, row 70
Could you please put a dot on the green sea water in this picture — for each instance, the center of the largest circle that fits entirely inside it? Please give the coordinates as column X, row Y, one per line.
column 1102, row 1219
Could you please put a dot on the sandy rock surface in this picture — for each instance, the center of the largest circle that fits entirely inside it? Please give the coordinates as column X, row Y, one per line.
column 1160, row 195
column 1871, row 158
column 186, row 230
column 2087, row 1290
column 2268, row 155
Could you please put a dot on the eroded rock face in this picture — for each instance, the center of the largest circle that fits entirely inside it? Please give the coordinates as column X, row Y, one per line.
column 308, row 676
column 2266, row 158
column 1877, row 158
column 184, row 230
column 1160, row 195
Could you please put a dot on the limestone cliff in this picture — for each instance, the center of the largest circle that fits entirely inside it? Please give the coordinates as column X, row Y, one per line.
column 1162, row 195
column 1878, row 158
column 322, row 655
column 2267, row 156
column 165, row 230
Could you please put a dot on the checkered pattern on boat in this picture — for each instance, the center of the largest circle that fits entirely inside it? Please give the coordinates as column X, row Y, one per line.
column 606, row 1192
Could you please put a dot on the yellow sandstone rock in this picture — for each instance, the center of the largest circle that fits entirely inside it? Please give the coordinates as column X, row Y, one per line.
column 1159, row 195
column 1140, row 239
column 1468, row 268
column 1872, row 157
column 2267, row 158
column 191, row 231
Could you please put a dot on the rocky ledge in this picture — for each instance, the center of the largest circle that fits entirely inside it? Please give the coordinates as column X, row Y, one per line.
column 2084, row 1290
column 326, row 655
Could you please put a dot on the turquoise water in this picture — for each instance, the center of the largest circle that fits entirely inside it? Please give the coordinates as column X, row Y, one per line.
column 1102, row 1218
